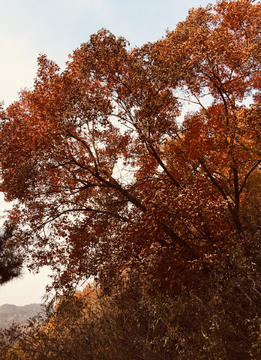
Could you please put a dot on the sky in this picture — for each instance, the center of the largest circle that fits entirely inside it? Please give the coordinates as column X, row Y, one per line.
column 56, row 28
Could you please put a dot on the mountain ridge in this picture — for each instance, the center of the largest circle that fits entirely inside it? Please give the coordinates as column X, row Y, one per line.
column 20, row 314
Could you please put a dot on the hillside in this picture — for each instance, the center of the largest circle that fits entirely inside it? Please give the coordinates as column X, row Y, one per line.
column 19, row 314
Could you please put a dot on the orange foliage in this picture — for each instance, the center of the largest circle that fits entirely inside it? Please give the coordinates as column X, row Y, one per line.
column 104, row 174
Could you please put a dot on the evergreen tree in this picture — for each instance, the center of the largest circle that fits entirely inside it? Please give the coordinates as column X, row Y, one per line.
column 10, row 261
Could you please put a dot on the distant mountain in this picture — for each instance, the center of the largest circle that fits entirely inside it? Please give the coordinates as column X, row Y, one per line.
column 18, row 314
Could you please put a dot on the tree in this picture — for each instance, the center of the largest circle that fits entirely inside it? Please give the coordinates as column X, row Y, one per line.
column 220, row 53
column 10, row 262
column 210, row 322
column 106, row 176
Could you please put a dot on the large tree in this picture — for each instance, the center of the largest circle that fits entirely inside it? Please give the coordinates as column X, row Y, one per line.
column 106, row 174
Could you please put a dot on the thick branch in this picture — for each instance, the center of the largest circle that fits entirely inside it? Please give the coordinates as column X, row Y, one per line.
column 153, row 152
column 248, row 174
column 179, row 241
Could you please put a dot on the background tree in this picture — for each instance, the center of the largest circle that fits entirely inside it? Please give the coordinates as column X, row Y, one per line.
column 10, row 261
column 213, row 321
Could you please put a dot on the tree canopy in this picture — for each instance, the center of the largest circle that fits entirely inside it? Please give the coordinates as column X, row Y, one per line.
column 111, row 171
column 140, row 168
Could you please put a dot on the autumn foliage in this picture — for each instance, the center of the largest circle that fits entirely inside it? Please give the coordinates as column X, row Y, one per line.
column 141, row 168
column 109, row 169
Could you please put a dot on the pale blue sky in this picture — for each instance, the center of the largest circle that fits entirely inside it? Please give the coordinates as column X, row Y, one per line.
column 56, row 28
